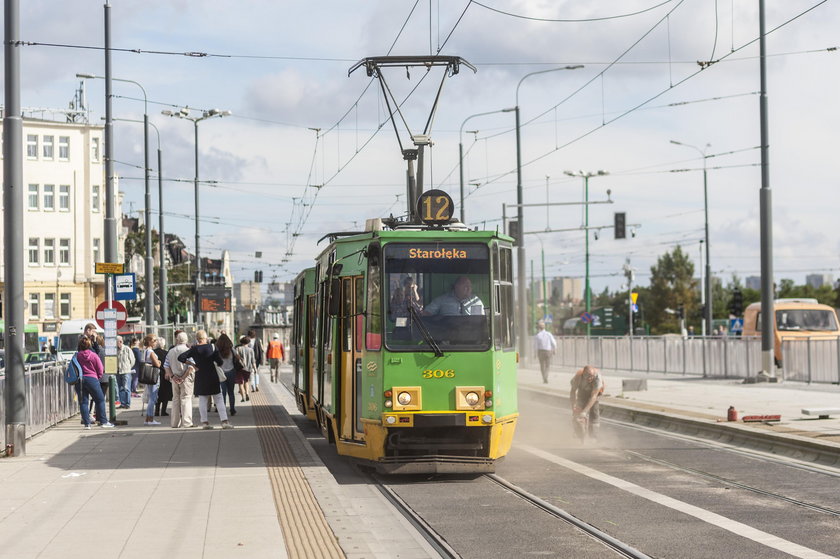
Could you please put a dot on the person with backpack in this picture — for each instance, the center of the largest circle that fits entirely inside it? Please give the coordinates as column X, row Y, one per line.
column 88, row 386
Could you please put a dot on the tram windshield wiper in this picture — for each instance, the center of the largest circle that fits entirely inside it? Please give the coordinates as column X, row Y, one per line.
column 425, row 331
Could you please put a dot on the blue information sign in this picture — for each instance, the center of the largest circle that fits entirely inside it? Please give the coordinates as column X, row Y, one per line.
column 125, row 288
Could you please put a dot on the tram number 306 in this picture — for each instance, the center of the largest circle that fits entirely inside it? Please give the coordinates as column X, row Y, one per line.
column 437, row 373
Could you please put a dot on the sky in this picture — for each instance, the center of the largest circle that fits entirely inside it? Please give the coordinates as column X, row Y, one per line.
column 309, row 149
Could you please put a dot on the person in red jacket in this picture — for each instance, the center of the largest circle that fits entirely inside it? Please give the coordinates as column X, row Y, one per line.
column 276, row 353
column 92, row 372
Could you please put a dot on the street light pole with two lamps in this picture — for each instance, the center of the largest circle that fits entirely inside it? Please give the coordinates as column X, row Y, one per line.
column 707, row 312
column 587, row 295
column 185, row 114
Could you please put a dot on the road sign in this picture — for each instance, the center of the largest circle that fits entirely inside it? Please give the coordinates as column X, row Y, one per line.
column 586, row 317
column 101, row 312
column 736, row 324
column 125, row 287
column 549, row 318
column 634, row 308
column 634, row 297
column 109, row 267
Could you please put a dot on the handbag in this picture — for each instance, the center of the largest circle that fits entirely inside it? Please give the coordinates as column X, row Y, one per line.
column 149, row 374
column 220, row 373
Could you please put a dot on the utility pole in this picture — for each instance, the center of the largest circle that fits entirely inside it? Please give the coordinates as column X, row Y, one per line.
column 766, row 208
column 15, row 388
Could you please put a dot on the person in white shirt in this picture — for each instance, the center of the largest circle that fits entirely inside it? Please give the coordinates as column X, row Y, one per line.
column 546, row 346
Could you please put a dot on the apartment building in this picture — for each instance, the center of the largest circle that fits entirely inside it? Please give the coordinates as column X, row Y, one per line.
column 63, row 221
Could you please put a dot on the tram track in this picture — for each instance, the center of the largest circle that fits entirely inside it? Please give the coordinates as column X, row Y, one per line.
column 621, row 548
column 733, row 483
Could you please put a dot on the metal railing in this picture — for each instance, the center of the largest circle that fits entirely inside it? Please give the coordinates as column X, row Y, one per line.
column 806, row 360
column 49, row 399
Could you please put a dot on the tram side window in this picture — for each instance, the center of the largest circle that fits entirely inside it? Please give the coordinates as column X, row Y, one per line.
column 504, row 336
column 373, row 339
column 347, row 314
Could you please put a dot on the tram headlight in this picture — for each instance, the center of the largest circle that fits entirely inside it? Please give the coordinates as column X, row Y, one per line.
column 488, row 402
column 471, row 398
column 404, row 398
column 389, row 404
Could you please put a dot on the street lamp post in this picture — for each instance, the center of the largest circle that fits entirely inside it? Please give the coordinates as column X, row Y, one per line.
column 520, row 236
column 149, row 313
column 461, row 152
column 707, row 319
column 162, row 279
column 185, row 114
column 587, row 295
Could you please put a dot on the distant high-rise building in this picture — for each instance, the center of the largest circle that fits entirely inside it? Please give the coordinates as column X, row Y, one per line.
column 819, row 280
column 753, row 282
column 569, row 290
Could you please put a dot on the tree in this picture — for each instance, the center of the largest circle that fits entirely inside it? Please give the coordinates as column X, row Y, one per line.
column 672, row 285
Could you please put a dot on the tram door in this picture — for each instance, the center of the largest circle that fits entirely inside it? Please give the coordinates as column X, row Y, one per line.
column 309, row 348
column 350, row 375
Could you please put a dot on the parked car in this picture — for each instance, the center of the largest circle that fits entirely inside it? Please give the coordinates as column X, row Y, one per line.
column 38, row 357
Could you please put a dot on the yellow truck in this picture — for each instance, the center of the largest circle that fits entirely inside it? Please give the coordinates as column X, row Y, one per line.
column 795, row 318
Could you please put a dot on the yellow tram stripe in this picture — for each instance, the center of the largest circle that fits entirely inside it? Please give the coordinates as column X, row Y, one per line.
column 305, row 529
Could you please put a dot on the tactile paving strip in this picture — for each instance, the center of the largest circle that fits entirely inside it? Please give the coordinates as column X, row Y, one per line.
column 305, row 529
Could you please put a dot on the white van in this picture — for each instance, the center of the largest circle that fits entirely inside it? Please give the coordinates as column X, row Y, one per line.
column 69, row 333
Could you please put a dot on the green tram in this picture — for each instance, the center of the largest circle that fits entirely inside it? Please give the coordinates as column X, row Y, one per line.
column 417, row 385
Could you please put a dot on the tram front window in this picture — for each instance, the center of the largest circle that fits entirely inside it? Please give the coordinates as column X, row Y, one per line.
column 438, row 294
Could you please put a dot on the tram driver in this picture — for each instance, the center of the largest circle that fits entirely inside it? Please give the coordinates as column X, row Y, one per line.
column 460, row 301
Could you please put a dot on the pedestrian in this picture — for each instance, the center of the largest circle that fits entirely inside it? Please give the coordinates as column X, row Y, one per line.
column 89, row 387
column 257, row 345
column 207, row 385
column 243, row 375
column 125, row 364
column 587, row 387
column 150, row 358
column 182, row 377
column 165, row 390
column 276, row 354
column 546, row 346
column 225, row 347
column 138, row 362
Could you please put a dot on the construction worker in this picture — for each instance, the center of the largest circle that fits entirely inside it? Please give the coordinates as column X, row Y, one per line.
column 275, row 353
column 587, row 386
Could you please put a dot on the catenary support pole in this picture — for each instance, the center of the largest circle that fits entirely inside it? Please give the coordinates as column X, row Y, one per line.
column 766, row 209
column 15, row 389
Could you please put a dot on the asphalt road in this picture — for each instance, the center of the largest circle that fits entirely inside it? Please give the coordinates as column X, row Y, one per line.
column 661, row 494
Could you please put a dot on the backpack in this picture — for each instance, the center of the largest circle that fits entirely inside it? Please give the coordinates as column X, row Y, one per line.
column 73, row 372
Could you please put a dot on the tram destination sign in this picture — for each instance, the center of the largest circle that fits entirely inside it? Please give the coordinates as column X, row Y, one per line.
column 437, row 251
column 214, row 299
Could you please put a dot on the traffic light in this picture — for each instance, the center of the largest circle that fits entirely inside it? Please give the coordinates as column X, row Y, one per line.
column 681, row 311
column 513, row 230
column 258, row 276
column 620, row 225
column 736, row 306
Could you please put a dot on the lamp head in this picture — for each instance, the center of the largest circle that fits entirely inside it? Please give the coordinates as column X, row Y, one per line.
column 167, row 112
column 85, row 76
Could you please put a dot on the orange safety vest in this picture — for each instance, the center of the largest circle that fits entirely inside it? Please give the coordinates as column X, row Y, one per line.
column 275, row 350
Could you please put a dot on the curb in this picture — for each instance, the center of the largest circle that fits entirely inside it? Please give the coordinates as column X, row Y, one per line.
column 807, row 449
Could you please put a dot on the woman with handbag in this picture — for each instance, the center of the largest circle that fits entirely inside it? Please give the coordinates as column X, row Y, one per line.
column 150, row 376
column 243, row 375
column 89, row 387
column 230, row 364
column 165, row 390
column 207, row 379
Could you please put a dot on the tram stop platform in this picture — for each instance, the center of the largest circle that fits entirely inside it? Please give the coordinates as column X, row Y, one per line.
column 261, row 490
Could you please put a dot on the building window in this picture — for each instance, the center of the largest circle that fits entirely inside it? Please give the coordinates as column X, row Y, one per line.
column 34, row 305
column 49, row 197
column 33, row 197
column 64, row 148
column 94, row 149
column 48, row 147
column 32, row 146
column 94, row 197
column 96, row 252
column 64, row 252
column 49, row 252
column 64, row 197
column 64, row 308
column 49, row 306
column 34, row 249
